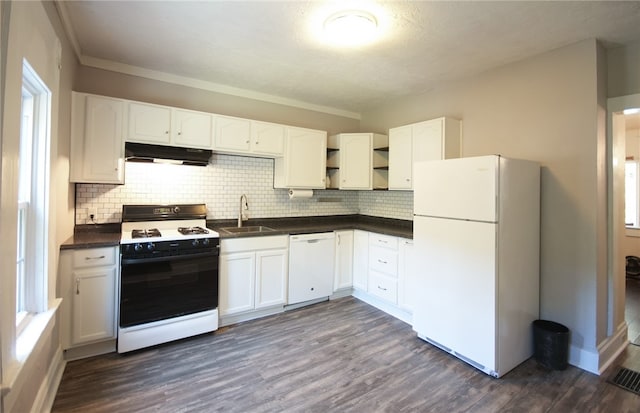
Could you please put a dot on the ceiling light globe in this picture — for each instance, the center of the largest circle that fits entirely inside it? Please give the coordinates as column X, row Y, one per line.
column 351, row 28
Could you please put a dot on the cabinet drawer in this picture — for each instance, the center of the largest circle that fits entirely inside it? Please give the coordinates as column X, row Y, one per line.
column 383, row 260
column 94, row 257
column 385, row 241
column 383, row 287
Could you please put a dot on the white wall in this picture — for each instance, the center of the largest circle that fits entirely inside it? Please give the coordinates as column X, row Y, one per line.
column 544, row 109
column 33, row 32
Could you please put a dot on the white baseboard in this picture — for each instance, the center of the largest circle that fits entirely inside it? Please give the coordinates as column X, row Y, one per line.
column 598, row 360
column 49, row 387
column 612, row 347
column 388, row 308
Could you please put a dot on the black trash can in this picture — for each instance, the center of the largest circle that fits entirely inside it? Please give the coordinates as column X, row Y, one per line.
column 551, row 344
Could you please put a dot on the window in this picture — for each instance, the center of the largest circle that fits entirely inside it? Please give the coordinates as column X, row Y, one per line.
column 33, row 179
column 631, row 194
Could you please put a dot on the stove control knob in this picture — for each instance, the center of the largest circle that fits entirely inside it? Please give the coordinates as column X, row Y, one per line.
column 137, row 247
column 205, row 241
column 151, row 246
column 195, row 242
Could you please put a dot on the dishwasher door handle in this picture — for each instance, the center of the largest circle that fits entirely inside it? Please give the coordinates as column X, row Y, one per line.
column 312, row 241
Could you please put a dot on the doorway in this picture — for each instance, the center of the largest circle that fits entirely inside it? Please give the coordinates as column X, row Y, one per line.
column 624, row 146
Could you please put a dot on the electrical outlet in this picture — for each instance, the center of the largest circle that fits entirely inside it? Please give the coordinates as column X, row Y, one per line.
column 92, row 213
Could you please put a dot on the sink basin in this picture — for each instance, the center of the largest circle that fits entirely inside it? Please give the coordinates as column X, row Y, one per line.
column 247, row 229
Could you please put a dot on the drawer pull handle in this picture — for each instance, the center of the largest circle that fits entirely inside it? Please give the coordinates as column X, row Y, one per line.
column 95, row 258
column 382, row 241
column 383, row 289
column 382, row 262
column 77, row 286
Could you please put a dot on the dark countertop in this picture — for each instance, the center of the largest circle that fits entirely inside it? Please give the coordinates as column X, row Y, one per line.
column 93, row 236
column 108, row 235
column 308, row 225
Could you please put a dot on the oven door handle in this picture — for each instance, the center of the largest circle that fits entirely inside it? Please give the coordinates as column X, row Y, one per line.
column 130, row 261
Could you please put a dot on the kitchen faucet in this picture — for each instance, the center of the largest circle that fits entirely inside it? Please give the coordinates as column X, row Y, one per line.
column 242, row 216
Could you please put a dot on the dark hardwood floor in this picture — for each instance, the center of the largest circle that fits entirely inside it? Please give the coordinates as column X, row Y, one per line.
column 336, row 356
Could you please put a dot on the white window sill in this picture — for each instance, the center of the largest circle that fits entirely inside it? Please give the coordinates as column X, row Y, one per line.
column 39, row 325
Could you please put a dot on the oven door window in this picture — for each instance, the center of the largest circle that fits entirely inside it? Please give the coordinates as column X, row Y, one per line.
column 162, row 288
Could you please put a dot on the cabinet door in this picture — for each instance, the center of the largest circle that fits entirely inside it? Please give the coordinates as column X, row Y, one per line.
column 103, row 154
column 192, row 129
column 428, row 140
column 232, row 134
column 355, row 161
column 306, row 158
column 149, row 124
column 271, row 277
column 267, row 139
column 237, row 282
column 344, row 260
column 406, row 275
column 360, row 259
column 400, row 158
column 93, row 313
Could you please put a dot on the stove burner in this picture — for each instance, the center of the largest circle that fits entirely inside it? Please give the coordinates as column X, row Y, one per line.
column 145, row 233
column 192, row 230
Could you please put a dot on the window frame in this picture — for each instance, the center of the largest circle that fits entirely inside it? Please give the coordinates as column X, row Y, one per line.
column 33, row 198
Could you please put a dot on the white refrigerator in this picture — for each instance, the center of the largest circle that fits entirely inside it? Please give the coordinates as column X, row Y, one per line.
column 476, row 232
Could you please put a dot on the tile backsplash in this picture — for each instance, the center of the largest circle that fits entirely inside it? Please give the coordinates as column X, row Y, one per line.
column 220, row 186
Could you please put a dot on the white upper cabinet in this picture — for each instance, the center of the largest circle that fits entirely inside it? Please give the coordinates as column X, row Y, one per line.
column 149, row 124
column 358, row 161
column 192, row 129
column 400, row 156
column 97, row 144
column 423, row 141
column 304, row 164
column 232, row 135
column 163, row 125
column 267, row 138
column 248, row 137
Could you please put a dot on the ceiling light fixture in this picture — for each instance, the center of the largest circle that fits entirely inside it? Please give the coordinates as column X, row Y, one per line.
column 351, row 28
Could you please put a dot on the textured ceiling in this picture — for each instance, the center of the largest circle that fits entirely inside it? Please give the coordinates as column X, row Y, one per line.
column 269, row 47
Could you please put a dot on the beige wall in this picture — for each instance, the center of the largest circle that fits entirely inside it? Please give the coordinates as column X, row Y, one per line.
column 544, row 109
column 33, row 28
column 104, row 82
column 624, row 70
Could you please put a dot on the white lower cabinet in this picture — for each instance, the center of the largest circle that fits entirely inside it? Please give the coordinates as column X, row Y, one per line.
column 88, row 281
column 383, row 269
column 253, row 274
column 360, row 259
column 343, row 277
column 407, row 293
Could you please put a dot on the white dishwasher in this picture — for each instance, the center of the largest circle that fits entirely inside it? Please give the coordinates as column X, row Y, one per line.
column 311, row 266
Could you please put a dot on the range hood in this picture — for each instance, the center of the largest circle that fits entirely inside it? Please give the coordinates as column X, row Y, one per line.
column 142, row 152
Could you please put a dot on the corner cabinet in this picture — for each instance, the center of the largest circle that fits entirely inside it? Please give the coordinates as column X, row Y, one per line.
column 358, row 161
column 434, row 139
column 88, row 287
column 164, row 125
column 253, row 277
column 97, row 139
column 304, row 164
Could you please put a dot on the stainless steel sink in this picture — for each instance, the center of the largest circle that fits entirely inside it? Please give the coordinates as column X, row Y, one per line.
column 245, row 230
